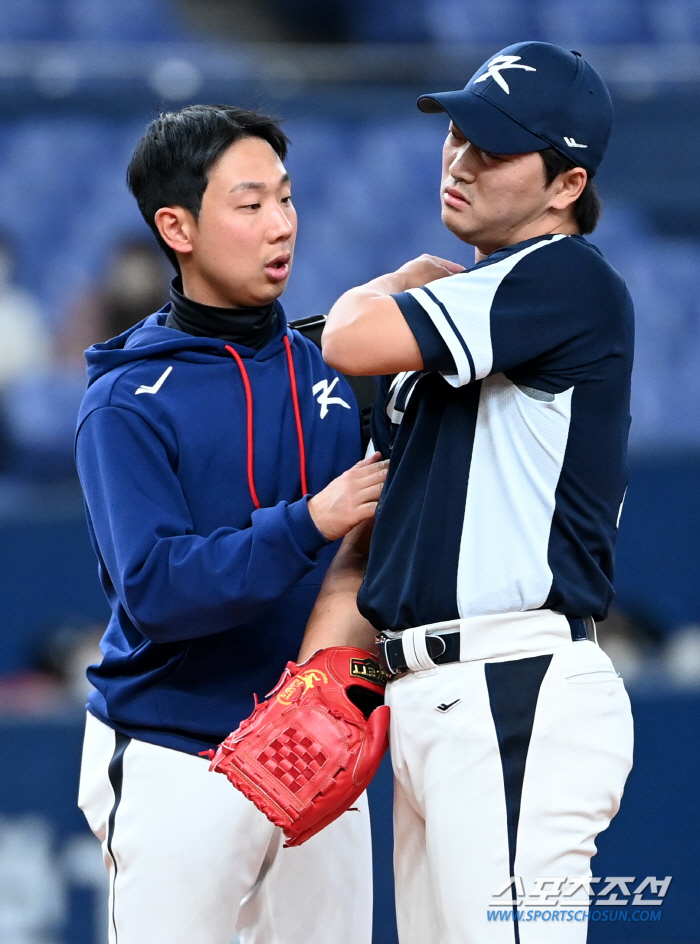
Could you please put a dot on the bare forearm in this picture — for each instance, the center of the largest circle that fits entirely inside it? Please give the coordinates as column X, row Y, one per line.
column 350, row 303
column 335, row 619
column 366, row 332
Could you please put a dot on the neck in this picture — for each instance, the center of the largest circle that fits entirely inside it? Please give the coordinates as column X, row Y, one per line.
column 559, row 224
column 251, row 326
column 203, row 292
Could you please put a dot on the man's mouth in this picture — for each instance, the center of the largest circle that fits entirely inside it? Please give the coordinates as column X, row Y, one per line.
column 453, row 198
column 278, row 268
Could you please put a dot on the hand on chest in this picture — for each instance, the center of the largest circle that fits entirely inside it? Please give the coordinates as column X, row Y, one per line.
column 256, row 436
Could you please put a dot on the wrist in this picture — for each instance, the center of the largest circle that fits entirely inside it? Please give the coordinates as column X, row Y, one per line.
column 318, row 518
column 310, row 538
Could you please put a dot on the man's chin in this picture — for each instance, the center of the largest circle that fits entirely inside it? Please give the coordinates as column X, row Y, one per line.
column 265, row 295
column 461, row 227
column 275, row 292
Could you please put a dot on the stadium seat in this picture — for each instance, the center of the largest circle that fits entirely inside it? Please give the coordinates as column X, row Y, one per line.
column 121, row 19
column 591, row 21
column 391, row 21
column 471, row 21
column 674, row 21
column 29, row 19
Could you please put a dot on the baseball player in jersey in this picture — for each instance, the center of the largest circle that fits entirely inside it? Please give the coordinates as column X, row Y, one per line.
column 505, row 412
column 200, row 442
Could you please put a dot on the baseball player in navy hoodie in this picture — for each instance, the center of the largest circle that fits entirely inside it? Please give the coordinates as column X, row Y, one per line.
column 204, row 431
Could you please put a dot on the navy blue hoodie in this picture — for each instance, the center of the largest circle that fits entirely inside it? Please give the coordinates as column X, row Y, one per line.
column 179, row 440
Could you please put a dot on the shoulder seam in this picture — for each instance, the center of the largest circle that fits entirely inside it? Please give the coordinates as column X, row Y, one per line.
column 114, row 406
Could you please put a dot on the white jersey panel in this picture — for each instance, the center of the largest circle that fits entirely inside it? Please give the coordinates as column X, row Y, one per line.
column 396, row 415
column 460, row 308
column 518, row 453
column 457, row 346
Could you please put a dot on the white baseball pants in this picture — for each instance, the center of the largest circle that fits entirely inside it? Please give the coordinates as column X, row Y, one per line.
column 505, row 767
column 192, row 861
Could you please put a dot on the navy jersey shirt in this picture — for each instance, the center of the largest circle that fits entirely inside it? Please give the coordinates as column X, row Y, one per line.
column 509, row 449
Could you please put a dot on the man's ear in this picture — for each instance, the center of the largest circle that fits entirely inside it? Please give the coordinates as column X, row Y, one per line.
column 177, row 228
column 568, row 187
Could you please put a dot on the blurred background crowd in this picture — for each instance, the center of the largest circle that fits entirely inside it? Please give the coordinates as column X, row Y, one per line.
column 79, row 80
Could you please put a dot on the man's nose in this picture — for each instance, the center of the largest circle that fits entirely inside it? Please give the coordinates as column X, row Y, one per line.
column 462, row 166
column 282, row 224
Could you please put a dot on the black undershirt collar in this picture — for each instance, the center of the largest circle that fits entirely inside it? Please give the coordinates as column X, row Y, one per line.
column 251, row 327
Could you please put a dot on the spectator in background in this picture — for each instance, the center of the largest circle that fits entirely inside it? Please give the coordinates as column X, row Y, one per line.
column 25, row 343
column 135, row 284
column 41, row 406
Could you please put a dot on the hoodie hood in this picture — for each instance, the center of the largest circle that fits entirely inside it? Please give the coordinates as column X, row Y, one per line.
column 151, row 338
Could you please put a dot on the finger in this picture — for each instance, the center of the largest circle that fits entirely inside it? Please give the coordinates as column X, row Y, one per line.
column 367, row 511
column 441, row 273
column 378, row 471
column 360, row 478
column 373, row 493
column 375, row 481
column 369, row 460
column 447, row 264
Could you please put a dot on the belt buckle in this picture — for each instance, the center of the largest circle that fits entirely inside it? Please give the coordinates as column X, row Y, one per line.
column 435, row 645
column 385, row 657
column 582, row 629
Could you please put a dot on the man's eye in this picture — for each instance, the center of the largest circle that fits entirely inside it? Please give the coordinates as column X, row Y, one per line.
column 251, row 206
column 287, row 200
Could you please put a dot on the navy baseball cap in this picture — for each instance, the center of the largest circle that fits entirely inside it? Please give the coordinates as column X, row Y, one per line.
column 531, row 96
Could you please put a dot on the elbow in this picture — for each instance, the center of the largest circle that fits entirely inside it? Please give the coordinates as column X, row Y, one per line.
column 332, row 348
column 340, row 351
column 149, row 607
column 153, row 624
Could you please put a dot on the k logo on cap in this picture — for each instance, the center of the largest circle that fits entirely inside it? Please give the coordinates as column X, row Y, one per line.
column 497, row 65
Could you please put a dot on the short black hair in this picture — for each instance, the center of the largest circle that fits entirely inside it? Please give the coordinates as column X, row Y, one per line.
column 587, row 208
column 171, row 162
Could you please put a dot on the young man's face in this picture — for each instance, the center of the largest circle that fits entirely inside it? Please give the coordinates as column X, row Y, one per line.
column 243, row 240
column 491, row 200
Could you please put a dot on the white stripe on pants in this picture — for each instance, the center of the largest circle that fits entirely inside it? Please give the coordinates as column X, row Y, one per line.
column 189, row 851
column 451, row 834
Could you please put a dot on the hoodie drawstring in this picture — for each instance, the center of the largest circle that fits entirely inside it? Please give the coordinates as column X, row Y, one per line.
column 249, row 418
column 297, row 414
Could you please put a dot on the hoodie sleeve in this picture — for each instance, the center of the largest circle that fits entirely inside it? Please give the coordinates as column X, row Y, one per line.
column 175, row 584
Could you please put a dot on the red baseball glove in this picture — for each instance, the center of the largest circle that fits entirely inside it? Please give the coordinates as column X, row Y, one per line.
column 306, row 753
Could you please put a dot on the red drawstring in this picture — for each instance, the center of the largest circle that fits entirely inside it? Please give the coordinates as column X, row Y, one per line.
column 249, row 419
column 297, row 414
column 249, row 411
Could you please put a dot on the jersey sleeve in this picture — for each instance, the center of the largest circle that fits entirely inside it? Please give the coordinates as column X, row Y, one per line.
column 173, row 583
column 550, row 309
